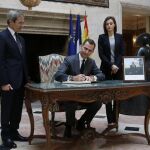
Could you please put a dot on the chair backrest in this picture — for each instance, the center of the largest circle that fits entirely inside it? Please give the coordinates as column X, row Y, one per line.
column 48, row 65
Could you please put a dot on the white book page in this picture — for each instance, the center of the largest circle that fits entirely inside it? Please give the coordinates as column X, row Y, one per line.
column 77, row 82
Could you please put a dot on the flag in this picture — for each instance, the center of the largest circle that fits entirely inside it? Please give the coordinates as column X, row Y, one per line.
column 85, row 34
column 78, row 40
column 71, row 44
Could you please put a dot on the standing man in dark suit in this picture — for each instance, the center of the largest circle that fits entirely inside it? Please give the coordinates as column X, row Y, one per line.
column 111, row 49
column 13, row 76
column 80, row 68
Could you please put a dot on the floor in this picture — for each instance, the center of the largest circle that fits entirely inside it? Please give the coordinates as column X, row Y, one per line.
column 120, row 140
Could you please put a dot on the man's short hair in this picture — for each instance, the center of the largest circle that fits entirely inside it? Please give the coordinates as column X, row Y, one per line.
column 13, row 15
column 90, row 41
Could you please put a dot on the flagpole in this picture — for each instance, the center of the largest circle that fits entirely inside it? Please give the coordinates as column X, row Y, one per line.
column 78, row 39
column 71, row 44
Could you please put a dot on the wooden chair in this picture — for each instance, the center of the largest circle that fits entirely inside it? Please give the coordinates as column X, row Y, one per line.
column 48, row 65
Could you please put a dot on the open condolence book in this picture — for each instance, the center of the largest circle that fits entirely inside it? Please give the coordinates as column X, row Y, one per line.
column 77, row 82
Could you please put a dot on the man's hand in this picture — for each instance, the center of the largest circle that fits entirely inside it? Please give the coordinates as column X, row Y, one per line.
column 82, row 77
column 79, row 77
column 7, row 87
column 89, row 78
column 114, row 69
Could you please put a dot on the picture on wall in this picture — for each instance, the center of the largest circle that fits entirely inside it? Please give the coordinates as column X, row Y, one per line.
column 133, row 68
column 100, row 3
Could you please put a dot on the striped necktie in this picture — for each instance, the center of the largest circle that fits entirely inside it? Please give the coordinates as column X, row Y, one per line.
column 18, row 42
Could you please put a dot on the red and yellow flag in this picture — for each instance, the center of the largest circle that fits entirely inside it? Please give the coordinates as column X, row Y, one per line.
column 85, row 34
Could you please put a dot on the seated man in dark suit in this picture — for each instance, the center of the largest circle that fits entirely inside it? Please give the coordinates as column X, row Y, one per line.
column 80, row 67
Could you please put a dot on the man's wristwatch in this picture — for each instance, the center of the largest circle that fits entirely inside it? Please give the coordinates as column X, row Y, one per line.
column 95, row 78
column 70, row 78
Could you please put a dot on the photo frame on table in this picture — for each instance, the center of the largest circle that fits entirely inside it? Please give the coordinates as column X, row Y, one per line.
column 133, row 68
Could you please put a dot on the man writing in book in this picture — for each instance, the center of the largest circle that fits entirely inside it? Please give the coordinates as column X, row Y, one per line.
column 80, row 67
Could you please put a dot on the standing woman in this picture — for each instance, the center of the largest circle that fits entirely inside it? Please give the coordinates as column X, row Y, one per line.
column 111, row 49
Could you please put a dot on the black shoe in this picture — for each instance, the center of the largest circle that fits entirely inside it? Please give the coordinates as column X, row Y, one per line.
column 17, row 137
column 67, row 132
column 9, row 143
column 2, row 147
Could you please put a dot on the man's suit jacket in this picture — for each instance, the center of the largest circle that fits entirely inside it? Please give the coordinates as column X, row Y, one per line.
column 71, row 66
column 13, row 69
column 105, row 52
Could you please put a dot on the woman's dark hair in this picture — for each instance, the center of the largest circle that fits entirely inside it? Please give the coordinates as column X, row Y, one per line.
column 104, row 24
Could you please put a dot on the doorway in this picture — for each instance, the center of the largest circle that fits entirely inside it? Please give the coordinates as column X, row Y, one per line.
column 134, row 22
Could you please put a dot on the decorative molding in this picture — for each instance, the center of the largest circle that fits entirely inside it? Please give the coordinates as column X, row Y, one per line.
column 100, row 3
column 37, row 22
column 105, row 96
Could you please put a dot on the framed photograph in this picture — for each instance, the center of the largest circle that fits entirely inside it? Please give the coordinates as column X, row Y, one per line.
column 100, row 3
column 133, row 68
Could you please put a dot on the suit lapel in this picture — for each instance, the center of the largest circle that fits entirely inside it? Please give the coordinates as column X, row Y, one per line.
column 116, row 40
column 12, row 40
column 11, row 37
column 107, row 42
column 76, row 64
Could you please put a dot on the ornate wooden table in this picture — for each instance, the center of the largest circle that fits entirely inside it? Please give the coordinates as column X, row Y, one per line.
column 48, row 93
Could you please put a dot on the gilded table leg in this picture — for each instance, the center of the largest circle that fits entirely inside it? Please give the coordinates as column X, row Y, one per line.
column 30, row 114
column 45, row 113
column 146, row 126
